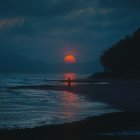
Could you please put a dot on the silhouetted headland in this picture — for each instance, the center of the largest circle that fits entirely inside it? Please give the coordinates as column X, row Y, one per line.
column 122, row 59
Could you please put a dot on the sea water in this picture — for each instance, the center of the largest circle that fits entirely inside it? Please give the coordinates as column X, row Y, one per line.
column 28, row 108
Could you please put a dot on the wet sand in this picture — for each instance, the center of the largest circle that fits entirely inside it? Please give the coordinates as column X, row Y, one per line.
column 94, row 128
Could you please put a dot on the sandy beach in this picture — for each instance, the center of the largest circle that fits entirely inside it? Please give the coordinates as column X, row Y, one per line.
column 112, row 126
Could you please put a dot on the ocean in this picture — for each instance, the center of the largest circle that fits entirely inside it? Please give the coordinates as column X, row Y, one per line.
column 28, row 108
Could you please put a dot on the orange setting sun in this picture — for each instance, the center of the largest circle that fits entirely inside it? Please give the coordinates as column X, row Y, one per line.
column 69, row 59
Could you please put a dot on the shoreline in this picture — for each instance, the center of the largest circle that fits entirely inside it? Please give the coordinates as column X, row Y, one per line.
column 122, row 95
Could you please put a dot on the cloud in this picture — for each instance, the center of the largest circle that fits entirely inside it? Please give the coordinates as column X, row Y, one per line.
column 52, row 8
column 10, row 22
column 89, row 25
column 37, row 8
column 123, row 4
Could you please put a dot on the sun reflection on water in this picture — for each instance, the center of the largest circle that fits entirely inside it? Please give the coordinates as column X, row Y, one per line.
column 73, row 104
column 70, row 75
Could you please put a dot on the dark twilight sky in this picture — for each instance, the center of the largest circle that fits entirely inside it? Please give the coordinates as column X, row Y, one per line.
column 50, row 29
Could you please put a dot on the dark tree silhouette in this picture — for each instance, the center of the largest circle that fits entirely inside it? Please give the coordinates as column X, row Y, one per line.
column 123, row 58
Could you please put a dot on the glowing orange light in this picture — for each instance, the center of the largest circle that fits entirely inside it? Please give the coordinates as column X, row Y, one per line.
column 72, row 76
column 69, row 59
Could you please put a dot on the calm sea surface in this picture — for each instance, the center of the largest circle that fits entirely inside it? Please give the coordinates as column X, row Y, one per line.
column 30, row 108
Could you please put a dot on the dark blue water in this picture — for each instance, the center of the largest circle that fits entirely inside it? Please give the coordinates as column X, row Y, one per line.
column 31, row 108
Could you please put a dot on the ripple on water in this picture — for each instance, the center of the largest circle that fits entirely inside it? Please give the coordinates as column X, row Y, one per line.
column 30, row 108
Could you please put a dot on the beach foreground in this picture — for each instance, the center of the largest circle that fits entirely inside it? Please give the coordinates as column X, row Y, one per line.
column 114, row 126
column 124, row 124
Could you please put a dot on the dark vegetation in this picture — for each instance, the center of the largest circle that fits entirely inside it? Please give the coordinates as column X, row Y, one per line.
column 122, row 59
column 90, row 129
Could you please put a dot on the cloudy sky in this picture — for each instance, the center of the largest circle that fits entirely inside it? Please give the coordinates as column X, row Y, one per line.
column 50, row 29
